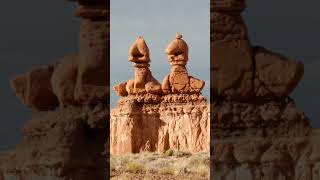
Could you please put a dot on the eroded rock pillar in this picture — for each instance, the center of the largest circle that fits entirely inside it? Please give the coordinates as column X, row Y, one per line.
column 93, row 68
column 231, row 52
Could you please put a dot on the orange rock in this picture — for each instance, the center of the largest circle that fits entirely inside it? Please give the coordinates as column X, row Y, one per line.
column 178, row 81
column 196, row 85
column 120, row 89
column 143, row 81
column 276, row 75
column 178, row 51
column 232, row 74
column 139, row 51
column 64, row 77
column 166, row 85
column 92, row 80
column 171, row 127
column 152, row 85
column 34, row 89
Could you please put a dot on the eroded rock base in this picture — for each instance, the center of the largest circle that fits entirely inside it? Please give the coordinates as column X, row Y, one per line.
column 268, row 139
column 60, row 145
column 157, row 123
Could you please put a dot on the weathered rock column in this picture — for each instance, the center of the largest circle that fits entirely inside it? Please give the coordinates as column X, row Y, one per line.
column 183, row 110
column 134, row 123
column 93, row 68
column 178, row 81
column 150, row 118
column 256, row 128
column 65, row 137
column 231, row 52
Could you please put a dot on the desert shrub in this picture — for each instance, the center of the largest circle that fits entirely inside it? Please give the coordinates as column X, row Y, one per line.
column 169, row 152
column 200, row 159
column 134, row 167
column 203, row 170
column 182, row 154
column 167, row 170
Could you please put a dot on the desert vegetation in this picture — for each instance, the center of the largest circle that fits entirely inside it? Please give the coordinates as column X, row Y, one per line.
column 168, row 165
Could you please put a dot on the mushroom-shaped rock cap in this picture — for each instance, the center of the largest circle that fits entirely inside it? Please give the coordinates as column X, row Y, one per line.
column 178, row 49
column 139, row 51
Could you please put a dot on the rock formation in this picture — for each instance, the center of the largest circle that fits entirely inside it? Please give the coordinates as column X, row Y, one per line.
column 93, row 67
column 143, row 81
column 34, row 88
column 178, row 81
column 154, row 117
column 241, row 71
column 66, row 136
column 257, row 131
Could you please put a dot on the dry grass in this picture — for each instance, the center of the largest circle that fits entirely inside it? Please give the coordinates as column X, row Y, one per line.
column 167, row 170
column 169, row 163
column 134, row 167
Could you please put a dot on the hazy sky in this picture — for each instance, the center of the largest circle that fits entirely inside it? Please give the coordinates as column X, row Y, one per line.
column 39, row 32
column 158, row 22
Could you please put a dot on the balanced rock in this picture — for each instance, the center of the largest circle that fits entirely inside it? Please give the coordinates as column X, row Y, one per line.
column 143, row 81
column 139, row 51
column 34, row 89
column 145, row 119
column 178, row 81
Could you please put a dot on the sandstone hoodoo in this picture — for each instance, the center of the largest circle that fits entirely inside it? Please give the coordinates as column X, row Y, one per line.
column 143, row 81
column 178, row 81
column 258, row 133
column 150, row 116
column 66, row 135
column 93, row 68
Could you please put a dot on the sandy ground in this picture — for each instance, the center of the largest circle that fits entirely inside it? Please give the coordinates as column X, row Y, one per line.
column 170, row 165
column 149, row 176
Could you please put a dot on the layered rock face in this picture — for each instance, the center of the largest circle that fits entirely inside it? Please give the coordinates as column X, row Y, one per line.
column 240, row 70
column 151, row 116
column 257, row 131
column 66, row 137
